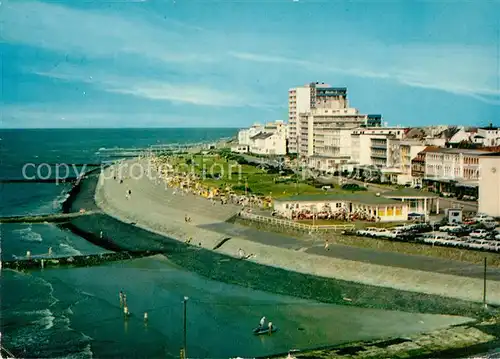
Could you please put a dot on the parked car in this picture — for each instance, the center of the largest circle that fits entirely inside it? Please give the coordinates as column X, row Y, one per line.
column 497, row 236
column 370, row 231
column 479, row 233
column 415, row 216
column 489, row 223
column 481, row 217
column 383, row 232
column 451, row 228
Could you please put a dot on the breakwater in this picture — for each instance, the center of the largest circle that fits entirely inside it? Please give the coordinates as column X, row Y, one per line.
column 74, row 261
column 39, row 180
column 47, row 218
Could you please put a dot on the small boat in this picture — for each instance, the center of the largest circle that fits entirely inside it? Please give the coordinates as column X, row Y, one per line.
column 261, row 331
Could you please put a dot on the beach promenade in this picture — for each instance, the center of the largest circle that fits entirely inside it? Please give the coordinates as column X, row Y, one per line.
column 155, row 208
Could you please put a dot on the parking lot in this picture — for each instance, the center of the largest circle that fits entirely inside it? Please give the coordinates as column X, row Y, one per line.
column 480, row 233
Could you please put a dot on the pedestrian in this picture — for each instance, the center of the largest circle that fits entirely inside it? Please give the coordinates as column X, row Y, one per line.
column 326, row 245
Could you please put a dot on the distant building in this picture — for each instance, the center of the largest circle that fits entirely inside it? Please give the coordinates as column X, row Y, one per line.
column 244, row 135
column 268, row 139
column 268, row 143
column 490, row 136
column 377, row 146
column 418, row 167
column 453, row 164
column 489, row 184
column 240, row 148
column 303, row 99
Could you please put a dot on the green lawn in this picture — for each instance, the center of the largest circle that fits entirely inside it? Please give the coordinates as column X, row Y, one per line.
column 231, row 173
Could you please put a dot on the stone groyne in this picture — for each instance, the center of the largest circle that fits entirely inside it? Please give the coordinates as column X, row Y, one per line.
column 73, row 261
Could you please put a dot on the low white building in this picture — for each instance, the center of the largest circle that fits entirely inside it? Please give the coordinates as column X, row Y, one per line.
column 240, row 148
column 268, row 143
column 445, row 164
column 489, row 184
column 362, row 206
column 244, row 135
column 327, row 164
column 490, row 136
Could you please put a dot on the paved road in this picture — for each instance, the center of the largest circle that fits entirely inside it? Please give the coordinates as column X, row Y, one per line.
column 366, row 255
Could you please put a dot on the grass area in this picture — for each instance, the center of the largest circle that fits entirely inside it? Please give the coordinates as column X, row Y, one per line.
column 459, row 254
column 231, row 173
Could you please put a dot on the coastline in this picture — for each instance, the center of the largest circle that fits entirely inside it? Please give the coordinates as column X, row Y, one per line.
column 151, row 205
column 224, row 267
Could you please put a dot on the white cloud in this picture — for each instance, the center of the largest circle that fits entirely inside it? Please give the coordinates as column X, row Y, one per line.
column 154, row 89
column 462, row 70
column 95, row 34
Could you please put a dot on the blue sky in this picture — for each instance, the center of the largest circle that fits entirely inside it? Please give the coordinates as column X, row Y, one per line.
column 230, row 63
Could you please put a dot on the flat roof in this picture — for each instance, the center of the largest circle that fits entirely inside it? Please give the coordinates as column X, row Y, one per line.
column 465, row 151
column 408, row 192
column 362, row 198
column 261, row 135
column 328, row 157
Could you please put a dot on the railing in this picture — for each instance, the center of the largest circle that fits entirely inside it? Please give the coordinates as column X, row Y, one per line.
column 296, row 225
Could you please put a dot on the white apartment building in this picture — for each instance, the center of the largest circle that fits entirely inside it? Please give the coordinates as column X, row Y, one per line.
column 305, row 98
column 489, row 184
column 445, row 164
column 268, row 143
column 327, row 131
column 408, row 150
column 378, row 146
column 489, row 136
column 244, row 135
column 325, row 136
column 263, row 139
column 279, row 127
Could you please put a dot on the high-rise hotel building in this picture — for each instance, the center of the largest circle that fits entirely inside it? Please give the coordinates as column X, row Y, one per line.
column 305, row 98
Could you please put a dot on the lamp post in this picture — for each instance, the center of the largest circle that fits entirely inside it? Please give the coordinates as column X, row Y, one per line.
column 185, row 327
column 484, row 284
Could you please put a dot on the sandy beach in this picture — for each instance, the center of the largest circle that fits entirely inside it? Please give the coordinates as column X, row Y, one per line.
column 162, row 210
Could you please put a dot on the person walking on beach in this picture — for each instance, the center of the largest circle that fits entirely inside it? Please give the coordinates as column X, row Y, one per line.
column 326, row 245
